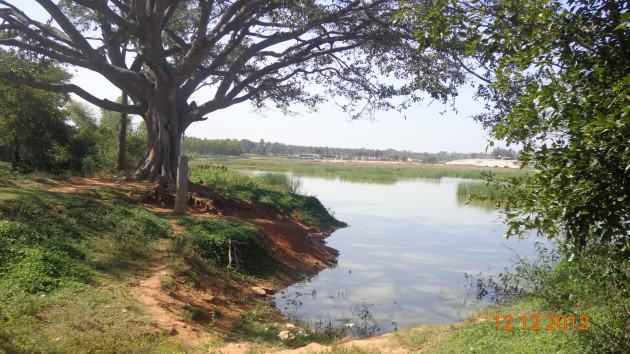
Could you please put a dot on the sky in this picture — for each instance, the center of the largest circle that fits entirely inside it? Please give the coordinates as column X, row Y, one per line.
column 425, row 127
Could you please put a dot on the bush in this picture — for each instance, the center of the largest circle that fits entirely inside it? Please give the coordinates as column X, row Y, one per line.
column 581, row 286
column 209, row 240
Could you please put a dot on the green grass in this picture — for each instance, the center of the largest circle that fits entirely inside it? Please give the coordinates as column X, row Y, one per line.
column 358, row 172
column 269, row 189
column 280, row 182
column 64, row 261
column 567, row 288
column 483, row 337
column 482, row 195
column 208, row 240
column 481, row 191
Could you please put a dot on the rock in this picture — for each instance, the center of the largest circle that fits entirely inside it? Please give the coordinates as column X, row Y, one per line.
column 289, row 325
column 173, row 332
column 269, row 291
column 259, row 291
column 208, row 298
column 284, row 335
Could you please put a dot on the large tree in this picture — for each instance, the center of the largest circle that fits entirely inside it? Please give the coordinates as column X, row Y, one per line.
column 228, row 52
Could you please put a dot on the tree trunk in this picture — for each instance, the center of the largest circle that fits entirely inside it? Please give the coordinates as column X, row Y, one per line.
column 122, row 138
column 159, row 161
column 16, row 155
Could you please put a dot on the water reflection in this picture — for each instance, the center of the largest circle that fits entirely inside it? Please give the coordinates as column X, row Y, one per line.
column 402, row 259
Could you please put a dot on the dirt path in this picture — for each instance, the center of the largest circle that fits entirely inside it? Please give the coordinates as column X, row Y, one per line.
column 220, row 301
column 166, row 306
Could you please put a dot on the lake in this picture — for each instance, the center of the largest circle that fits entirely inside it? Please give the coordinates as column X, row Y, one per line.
column 403, row 257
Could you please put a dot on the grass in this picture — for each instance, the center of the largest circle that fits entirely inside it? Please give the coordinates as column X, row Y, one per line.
column 280, row 182
column 483, row 195
column 483, row 337
column 269, row 189
column 358, row 172
column 415, row 339
column 208, row 240
column 568, row 287
column 65, row 259
column 337, row 349
column 261, row 325
column 481, row 191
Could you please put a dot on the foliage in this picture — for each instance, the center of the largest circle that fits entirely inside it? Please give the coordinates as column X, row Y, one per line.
column 584, row 286
column 224, row 147
column 557, row 77
column 500, row 153
column 356, row 53
column 228, row 147
column 44, row 131
column 34, row 132
column 211, row 240
column 266, row 189
column 96, row 140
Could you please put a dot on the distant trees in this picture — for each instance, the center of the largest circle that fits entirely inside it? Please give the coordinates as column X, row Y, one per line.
column 227, row 147
column 224, row 147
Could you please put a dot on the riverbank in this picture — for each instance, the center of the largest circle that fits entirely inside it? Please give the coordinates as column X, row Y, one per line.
column 98, row 264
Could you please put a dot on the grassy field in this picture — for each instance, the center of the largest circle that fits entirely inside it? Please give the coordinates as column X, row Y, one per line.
column 64, row 263
column 357, row 171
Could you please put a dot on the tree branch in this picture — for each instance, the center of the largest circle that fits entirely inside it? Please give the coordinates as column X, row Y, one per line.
column 71, row 88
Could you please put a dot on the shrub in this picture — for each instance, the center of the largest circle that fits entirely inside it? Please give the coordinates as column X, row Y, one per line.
column 209, row 240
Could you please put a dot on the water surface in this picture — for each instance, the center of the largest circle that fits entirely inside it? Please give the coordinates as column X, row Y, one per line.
column 403, row 257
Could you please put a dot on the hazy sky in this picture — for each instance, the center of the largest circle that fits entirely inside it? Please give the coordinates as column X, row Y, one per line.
column 425, row 129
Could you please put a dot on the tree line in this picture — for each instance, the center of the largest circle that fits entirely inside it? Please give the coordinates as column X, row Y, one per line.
column 235, row 147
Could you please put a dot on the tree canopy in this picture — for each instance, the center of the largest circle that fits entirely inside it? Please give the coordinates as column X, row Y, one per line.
column 32, row 122
column 190, row 58
column 556, row 76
